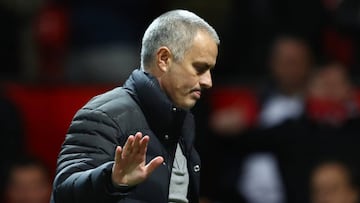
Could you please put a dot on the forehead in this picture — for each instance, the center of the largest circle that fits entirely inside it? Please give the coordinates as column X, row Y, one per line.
column 330, row 172
column 291, row 48
column 203, row 49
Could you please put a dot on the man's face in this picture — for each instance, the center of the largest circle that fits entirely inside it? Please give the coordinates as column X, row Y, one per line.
column 28, row 185
column 290, row 63
column 184, row 80
column 330, row 184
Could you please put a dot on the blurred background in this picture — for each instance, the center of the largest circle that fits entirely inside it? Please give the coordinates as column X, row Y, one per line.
column 281, row 124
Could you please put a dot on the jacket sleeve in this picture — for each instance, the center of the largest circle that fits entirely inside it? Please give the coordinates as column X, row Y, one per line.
column 86, row 159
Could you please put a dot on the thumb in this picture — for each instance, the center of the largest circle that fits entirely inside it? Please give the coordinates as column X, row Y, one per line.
column 153, row 164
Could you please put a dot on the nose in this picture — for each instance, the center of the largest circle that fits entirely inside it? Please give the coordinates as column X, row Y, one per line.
column 205, row 80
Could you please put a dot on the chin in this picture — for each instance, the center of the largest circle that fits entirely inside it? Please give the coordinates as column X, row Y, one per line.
column 188, row 105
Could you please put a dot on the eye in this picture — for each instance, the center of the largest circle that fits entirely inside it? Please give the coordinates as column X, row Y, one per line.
column 201, row 68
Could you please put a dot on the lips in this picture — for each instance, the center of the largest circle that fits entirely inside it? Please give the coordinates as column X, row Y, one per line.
column 196, row 93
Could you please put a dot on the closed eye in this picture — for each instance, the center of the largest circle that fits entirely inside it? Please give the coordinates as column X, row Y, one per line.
column 201, row 68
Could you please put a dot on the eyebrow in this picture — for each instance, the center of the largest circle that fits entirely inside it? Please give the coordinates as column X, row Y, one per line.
column 204, row 65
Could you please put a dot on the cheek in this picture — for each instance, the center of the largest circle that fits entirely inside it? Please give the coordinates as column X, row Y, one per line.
column 186, row 85
column 182, row 82
column 183, row 79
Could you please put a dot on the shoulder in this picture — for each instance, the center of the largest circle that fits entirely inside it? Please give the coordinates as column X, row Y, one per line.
column 113, row 103
column 116, row 106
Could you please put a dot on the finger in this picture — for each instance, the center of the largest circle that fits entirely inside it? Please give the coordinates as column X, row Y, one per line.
column 136, row 143
column 143, row 144
column 118, row 152
column 153, row 164
column 128, row 146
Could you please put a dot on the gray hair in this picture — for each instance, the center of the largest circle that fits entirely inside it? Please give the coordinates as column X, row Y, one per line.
column 176, row 30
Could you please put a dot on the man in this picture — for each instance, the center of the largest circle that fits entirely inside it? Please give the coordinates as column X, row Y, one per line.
column 28, row 181
column 334, row 182
column 135, row 143
column 290, row 65
column 12, row 130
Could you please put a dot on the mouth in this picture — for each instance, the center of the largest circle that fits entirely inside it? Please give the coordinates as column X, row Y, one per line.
column 196, row 93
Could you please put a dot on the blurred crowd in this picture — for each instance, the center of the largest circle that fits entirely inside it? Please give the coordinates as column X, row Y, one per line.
column 291, row 139
column 281, row 124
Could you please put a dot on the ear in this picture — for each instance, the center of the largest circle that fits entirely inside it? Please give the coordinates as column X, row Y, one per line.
column 163, row 58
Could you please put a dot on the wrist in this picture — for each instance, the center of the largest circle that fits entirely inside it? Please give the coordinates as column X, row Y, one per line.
column 118, row 185
column 114, row 187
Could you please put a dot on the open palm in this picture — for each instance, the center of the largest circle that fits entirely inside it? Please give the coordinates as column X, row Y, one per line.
column 130, row 168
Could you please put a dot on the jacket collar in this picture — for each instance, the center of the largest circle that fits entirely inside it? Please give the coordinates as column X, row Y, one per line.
column 165, row 119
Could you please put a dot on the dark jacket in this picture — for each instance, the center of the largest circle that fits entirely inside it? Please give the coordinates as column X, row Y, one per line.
column 87, row 155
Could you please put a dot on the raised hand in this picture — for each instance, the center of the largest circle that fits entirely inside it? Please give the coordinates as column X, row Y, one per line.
column 129, row 167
